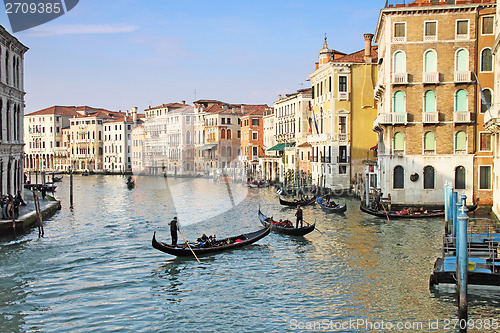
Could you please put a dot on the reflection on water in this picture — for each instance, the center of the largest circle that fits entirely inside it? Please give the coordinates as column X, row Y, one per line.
column 96, row 270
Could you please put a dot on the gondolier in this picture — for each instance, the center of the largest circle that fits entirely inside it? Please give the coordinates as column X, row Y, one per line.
column 174, row 226
column 298, row 213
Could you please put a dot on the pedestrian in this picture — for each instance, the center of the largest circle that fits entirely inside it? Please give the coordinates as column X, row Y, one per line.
column 298, row 213
column 174, row 226
column 44, row 192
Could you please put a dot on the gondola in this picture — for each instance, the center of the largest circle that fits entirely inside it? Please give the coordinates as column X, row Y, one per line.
column 258, row 184
column 295, row 203
column 181, row 250
column 413, row 215
column 268, row 221
column 334, row 209
column 130, row 185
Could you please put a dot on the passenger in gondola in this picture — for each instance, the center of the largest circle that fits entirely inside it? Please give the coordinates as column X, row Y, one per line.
column 300, row 219
column 378, row 197
column 174, row 226
column 19, row 199
column 288, row 224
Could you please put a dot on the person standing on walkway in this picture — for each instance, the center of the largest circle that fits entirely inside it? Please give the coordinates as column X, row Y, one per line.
column 174, row 226
column 298, row 213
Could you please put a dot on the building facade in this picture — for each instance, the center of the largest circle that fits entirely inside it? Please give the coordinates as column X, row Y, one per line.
column 429, row 55
column 11, row 112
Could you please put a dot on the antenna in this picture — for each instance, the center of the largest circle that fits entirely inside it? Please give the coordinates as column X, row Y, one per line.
column 195, row 95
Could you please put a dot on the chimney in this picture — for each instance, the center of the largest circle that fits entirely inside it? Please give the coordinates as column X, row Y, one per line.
column 134, row 114
column 242, row 109
column 368, row 48
column 126, row 113
column 183, row 102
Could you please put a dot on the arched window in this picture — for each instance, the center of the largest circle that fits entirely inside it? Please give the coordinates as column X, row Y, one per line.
column 399, row 101
column 430, row 61
column 399, row 62
column 429, row 141
column 486, row 60
column 462, row 61
column 223, row 134
column 229, row 151
column 228, row 134
column 460, row 141
column 428, row 177
column 399, row 177
column 399, row 141
column 188, row 137
column 461, row 101
column 430, row 101
column 487, row 96
column 460, row 178
column 223, row 151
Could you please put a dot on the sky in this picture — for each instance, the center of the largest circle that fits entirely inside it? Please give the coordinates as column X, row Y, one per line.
column 117, row 54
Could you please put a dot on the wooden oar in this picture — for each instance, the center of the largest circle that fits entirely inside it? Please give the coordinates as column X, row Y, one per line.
column 194, row 254
column 386, row 213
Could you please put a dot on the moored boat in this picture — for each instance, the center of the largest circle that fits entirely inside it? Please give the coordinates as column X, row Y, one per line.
column 226, row 244
column 407, row 213
column 322, row 202
column 130, row 185
column 295, row 203
column 269, row 222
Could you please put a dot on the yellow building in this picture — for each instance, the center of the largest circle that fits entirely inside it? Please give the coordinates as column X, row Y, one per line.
column 343, row 109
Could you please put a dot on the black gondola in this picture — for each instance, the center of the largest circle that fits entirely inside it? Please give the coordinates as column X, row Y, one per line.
column 268, row 221
column 225, row 244
column 408, row 214
column 295, row 203
column 130, row 185
column 331, row 209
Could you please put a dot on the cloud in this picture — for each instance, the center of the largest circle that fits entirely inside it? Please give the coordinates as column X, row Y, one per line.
column 82, row 29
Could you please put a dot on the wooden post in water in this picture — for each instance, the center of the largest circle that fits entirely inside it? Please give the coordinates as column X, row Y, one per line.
column 446, row 208
column 453, row 206
column 462, row 262
column 367, row 189
column 71, row 186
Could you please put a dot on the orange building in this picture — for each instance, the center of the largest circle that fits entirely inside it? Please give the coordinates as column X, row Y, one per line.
column 252, row 139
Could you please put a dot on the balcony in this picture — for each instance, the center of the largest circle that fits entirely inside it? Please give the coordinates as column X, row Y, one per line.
column 462, row 117
column 343, row 96
column 430, row 117
column 344, row 159
column 399, row 78
column 430, row 77
column 463, row 77
column 400, row 118
column 326, row 159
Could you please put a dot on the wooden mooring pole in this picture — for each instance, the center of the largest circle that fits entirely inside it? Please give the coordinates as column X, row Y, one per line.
column 36, row 200
column 462, row 262
column 71, row 187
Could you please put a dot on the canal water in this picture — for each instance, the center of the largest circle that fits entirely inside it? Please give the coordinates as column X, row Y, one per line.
column 96, row 271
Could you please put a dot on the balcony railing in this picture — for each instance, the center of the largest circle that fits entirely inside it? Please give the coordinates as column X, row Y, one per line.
column 326, row 159
column 342, row 136
column 343, row 160
column 463, row 77
column 430, row 117
column 400, row 78
column 399, row 118
column 430, row 77
column 462, row 117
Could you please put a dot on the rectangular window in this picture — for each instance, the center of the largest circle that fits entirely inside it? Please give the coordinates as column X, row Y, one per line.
column 485, row 141
column 254, row 136
column 462, row 29
column 487, row 27
column 255, row 152
column 430, row 32
column 255, row 122
column 342, row 83
column 342, row 169
column 223, row 121
column 229, row 121
column 485, row 177
column 400, row 32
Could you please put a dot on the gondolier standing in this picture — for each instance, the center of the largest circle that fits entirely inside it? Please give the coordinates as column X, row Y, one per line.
column 174, row 226
column 298, row 213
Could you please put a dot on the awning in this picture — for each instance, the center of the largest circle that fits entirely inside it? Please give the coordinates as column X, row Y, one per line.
column 207, row 147
column 374, row 147
column 281, row 146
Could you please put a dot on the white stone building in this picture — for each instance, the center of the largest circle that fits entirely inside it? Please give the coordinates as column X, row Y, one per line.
column 11, row 112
